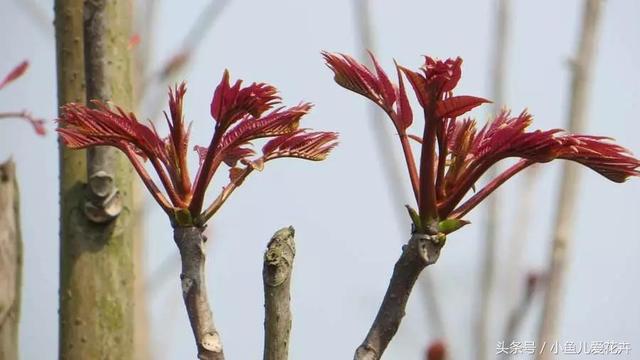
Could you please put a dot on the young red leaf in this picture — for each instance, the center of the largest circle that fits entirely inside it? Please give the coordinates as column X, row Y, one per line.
column 404, row 114
column 178, row 140
column 387, row 89
column 230, row 103
column 601, row 155
column 301, row 144
column 233, row 155
column 81, row 127
column 419, row 84
column 353, row 76
column 442, row 76
column 458, row 105
column 278, row 122
column 18, row 71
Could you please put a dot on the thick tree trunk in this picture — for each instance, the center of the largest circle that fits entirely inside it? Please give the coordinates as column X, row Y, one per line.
column 191, row 243
column 276, row 276
column 10, row 262
column 96, row 275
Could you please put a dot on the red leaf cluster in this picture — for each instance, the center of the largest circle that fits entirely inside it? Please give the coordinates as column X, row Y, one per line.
column 242, row 114
column 453, row 153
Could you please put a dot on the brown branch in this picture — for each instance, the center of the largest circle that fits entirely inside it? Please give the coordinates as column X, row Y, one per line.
column 276, row 276
column 421, row 251
column 10, row 262
column 558, row 258
column 191, row 243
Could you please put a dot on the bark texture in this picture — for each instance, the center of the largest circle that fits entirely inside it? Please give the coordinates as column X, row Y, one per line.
column 560, row 251
column 96, row 275
column 104, row 201
column 421, row 251
column 191, row 243
column 10, row 262
column 276, row 276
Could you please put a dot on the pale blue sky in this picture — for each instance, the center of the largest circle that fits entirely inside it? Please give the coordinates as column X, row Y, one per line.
column 347, row 237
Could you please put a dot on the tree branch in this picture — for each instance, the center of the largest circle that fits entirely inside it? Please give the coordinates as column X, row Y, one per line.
column 191, row 243
column 276, row 275
column 421, row 251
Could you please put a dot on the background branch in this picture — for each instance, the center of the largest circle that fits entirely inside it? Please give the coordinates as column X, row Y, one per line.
column 276, row 276
column 559, row 256
column 519, row 312
column 488, row 262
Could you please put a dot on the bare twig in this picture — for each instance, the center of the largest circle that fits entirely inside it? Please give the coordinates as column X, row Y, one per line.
column 178, row 62
column 483, row 316
column 191, row 243
column 519, row 312
column 393, row 170
column 421, row 251
column 37, row 123
column 558, row 258
column 276, row 275
column 10, row 262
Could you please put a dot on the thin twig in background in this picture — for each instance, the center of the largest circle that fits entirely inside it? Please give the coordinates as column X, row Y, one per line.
column 488, row 263
column 577, row 118
column 519, row 312
column 276, row 276
column 37, row 123
column 180, row 60
column 393, row 170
